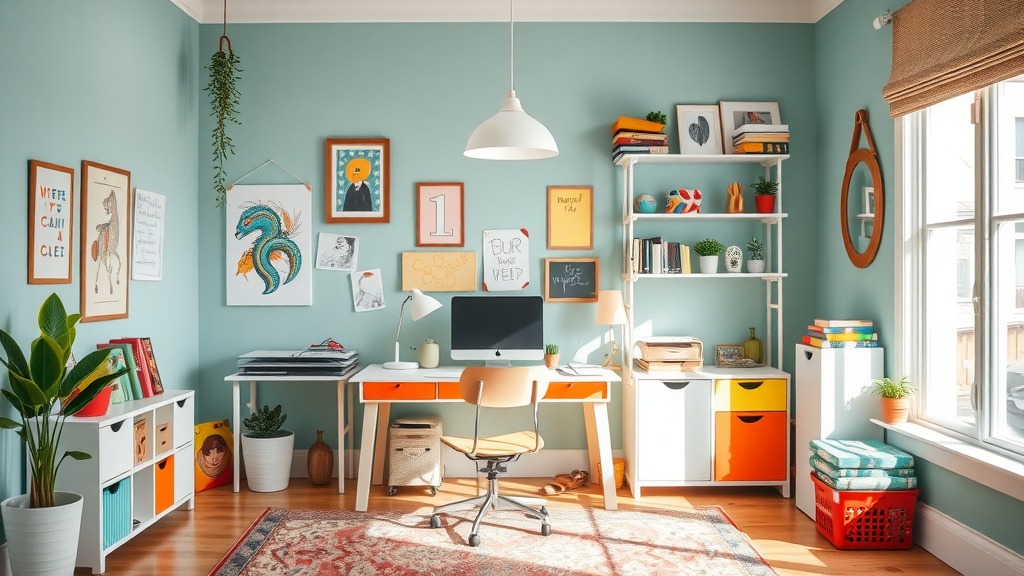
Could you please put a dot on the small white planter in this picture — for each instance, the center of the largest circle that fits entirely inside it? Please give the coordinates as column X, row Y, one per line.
column 268, row 462
column 43, row 541
column 709, row 264
column 755, row 266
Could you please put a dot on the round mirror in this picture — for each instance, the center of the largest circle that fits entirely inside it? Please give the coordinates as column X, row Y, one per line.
column 862, row 211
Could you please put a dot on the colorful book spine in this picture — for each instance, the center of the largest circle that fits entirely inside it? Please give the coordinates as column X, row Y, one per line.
column 845, row 337
column 145, row 383
column 640, row 142
column 841, row 330
column 134, row 387
column 636, row 125
column 645, row 135
column 842, row 323
column 154, row 374
column 743, row 128
column 762, row 148
column 819, row 343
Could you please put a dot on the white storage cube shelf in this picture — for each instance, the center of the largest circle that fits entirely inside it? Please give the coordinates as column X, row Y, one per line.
column 119, row 494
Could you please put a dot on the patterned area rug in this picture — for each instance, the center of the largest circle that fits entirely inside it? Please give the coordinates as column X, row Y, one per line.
column 583, row 542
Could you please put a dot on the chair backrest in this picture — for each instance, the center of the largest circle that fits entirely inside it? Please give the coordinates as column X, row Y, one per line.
column 503, row 387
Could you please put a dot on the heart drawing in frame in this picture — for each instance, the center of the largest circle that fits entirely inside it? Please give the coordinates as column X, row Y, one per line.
column 700, row 131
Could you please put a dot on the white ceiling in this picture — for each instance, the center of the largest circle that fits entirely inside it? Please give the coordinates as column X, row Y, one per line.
column 269, row 11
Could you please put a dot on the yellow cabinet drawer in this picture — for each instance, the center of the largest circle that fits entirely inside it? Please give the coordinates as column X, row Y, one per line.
column 751, row 394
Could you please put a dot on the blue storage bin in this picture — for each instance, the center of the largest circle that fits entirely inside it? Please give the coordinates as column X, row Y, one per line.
column 117, row 512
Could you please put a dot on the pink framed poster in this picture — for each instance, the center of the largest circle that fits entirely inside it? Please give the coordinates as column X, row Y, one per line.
column 440, row 218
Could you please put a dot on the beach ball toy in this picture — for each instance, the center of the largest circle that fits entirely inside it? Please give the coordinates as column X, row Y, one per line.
column 682, row 201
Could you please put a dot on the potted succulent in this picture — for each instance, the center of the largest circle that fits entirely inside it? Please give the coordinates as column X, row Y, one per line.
column 267, row 450
column 764, row 194
column 708, row 250
column 42, row 526
column 755, row 263
column 551, row 355
column 895, row 399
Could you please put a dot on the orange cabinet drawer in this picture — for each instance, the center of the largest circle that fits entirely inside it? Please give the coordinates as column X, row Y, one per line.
column 750, row 446
column 399, row 390
column 577, row 391
column 164, row 497
column 448, row 391
column 753, row 395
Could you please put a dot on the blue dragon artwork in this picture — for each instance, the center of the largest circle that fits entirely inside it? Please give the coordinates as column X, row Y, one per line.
column 273, row 243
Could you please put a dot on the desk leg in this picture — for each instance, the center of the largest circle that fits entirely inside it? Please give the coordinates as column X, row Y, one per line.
column 383, row 418
column 341, row 436
column 235, row 414
column 595, row 415
column 350, row 430
column 253, row 407
column 366, row 456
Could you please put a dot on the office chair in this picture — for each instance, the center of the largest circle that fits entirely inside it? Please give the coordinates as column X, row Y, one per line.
column 499, row 388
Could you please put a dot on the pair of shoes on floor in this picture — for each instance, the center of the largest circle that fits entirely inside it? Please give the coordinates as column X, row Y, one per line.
column 565, row 482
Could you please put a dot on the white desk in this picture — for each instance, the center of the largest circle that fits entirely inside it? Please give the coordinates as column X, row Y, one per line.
column 343, row 429
column 379, row 388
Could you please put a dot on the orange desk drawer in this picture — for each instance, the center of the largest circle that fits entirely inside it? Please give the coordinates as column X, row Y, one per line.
column 399, row 390
column 577, row 391
column 750, row 446
column 753, row 395
column 164, row 484
column 448, row 391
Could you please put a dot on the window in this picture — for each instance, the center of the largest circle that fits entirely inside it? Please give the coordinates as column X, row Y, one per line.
column 962, row 263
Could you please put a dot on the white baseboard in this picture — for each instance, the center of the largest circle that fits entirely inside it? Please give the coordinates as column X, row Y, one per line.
column 5, row 564
column 964, row 549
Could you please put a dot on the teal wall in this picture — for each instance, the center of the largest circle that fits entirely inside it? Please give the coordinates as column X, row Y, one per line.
column 853, row 63
column 114, row 82
column 426, row 87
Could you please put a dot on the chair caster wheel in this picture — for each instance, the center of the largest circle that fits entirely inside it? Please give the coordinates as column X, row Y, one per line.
column 392, row 490
column 435, row 521
column 545, row 529
column 433, row 490
column 474, row 540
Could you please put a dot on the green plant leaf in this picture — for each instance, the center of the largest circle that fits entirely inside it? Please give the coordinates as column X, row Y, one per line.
column 53, row 321
column 77, row 455
column 27, row 390
column 90, row 392
column 45, row 365
column 78, row 373
column 15, row 357
column 26, row 410
column 10, row 424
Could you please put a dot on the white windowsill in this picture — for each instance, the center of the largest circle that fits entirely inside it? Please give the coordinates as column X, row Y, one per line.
column 969, row 460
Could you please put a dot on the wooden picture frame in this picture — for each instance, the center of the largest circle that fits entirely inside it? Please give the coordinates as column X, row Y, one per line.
column 349, row 199
column 106, row 242
column 571, row 279
column 729, row 354
column 440, row 214
column 570, row 217
column 51, row 222
column 735, row 114
column 700, row 129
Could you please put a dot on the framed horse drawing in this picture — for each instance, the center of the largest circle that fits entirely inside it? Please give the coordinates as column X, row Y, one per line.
column 105, row 242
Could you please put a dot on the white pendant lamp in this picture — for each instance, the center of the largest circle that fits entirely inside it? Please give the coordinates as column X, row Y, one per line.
column 511, row 134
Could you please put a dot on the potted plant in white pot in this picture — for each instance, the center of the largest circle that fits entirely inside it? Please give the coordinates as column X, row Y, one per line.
column 708, row 250
column 42, row 526
column 267, row 450
column 755, row 263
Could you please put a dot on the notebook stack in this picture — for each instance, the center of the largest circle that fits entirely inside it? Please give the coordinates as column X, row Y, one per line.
column 298, row 362
column 852, row 465
column 761, row 139
column 670, row 354
column 636, row 136
column 841, row 334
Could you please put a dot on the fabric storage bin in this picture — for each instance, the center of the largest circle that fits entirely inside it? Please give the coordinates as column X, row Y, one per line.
column 164, row 438
column 164, row 484
column 750, row 446
column 861, row 520
column 414, row 452
column 117, row 512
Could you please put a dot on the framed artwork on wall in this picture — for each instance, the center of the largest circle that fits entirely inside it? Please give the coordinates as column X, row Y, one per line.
column 571, row 279
column 440, row 216
column 51, row 222
column 570, row 217
column 358, row 180
column 106, row 231
column 700, row 129
column 736, row 114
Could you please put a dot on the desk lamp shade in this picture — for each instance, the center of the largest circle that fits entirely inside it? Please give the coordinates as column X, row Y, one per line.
column 611, row 312
column 421, row 306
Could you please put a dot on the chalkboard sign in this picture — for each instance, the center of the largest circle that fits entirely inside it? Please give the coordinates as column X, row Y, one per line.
column 570, row 279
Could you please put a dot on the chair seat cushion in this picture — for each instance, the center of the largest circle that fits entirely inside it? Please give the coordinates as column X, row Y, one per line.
column 504, row 445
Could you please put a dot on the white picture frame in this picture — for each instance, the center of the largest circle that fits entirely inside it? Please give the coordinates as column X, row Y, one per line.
column 700, row 129
column 735, row 114
column 337, row 252
column 506, row 255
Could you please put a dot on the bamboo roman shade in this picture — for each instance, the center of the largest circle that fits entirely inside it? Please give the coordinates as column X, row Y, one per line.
column 945, row 48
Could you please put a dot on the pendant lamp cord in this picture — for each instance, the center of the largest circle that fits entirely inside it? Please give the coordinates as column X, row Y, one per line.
column 511, row 47
column 224, row 34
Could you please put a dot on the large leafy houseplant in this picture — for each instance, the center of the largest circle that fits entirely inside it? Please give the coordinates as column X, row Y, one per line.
column 44, row 392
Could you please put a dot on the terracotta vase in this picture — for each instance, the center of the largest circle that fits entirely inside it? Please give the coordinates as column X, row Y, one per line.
column 895, row 410
column 320, row 461
column 765, row 203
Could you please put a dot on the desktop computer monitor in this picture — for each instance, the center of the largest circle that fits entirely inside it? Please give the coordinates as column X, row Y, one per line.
column 497, row 329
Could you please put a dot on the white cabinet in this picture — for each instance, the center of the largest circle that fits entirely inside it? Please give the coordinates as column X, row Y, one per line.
column 132, row 479
column 833, row 400
column 672, row 440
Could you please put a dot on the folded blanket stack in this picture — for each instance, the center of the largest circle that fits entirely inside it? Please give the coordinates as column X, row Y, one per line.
column 862, row 465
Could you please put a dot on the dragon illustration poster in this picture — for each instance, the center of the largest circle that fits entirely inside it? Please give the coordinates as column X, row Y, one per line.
column 269, row 260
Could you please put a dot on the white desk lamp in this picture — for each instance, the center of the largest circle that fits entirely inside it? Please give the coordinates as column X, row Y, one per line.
column 421, row 306
column 611, row 312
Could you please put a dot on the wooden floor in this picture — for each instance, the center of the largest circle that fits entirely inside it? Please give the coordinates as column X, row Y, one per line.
column 194, row 542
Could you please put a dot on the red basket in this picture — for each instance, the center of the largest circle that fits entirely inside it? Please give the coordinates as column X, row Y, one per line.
column 863, row 519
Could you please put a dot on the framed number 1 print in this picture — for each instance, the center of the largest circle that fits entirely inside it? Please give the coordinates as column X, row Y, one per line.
column 440, row 217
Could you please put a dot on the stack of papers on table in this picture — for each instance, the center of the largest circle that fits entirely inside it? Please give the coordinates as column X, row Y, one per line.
column 298, row 362
column 580, row 369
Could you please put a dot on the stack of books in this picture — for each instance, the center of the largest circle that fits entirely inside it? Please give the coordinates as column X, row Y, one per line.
column 670, row 354
column 143, row 376
column 761, row 139
column 636, row 136
column 841, row 334
column 298, row 362
column 862, row 465
column 656, row 256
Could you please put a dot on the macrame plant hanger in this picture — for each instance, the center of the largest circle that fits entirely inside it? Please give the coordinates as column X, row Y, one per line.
column 261, row 166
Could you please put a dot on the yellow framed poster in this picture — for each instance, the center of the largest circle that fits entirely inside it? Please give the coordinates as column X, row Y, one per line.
column 570, row 217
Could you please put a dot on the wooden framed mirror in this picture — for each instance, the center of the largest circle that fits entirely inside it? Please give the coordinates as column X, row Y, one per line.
column 868, row 219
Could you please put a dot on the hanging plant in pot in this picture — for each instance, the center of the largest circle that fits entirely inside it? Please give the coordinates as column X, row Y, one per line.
column 224, row 99
column 895, row 399
column 764, row 195
column 267, row 450
column 708, row 250
column 42, row 526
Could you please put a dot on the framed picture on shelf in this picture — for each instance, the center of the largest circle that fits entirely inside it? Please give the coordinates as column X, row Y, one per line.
column 440, row 216
column 729, row 354
column 570, row 218
column 358, row 180
column 51, row 217
column 736, row 114
column 700, row 129
column 106, row 231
